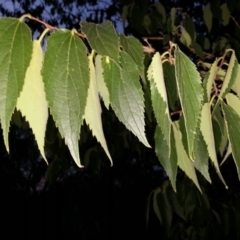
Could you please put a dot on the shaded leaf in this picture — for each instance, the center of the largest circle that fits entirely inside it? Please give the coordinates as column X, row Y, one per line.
column 207, row 16
column 102, row 38
column 171, row 84
column 32, row 100
column 198, row 49
column 126, row 95
column 134, row 48
column 66, row 74
column 162, row 150
column 190, row 93
column 15, row 55
column 225, row 14
column 190, row 27
column 160, row 8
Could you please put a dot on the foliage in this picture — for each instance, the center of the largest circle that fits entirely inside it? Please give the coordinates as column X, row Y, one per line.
column 195, row 103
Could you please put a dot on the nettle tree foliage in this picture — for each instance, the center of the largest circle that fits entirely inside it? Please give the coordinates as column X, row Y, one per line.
column 78, row 70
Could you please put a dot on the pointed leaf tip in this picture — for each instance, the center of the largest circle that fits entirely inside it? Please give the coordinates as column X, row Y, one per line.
column 66, row 77
column 32, row 100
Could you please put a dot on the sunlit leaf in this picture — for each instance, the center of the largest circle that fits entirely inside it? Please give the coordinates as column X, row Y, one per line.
column 93, row 110
column 210, row 79
column 236, row 85
column 183, row 160
column 190, row 93
column 229, row 78
column 32, row 100
column 201, row 156
column 66, row 78
column 102, row 38
column 159, row 96
column 185, row 37
column 233, row 126
column 101, row 85
column 15, row 55
column 207, row 132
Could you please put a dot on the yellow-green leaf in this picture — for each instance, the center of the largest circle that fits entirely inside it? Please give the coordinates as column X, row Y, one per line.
column 159, row 96
column 101, row 85
column 93, row 110
column 236, row 85
column 32, row 100
column 182, row 158
column 208, row 136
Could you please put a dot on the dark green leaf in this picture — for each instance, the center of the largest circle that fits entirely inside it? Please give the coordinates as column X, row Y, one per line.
column 102, row 38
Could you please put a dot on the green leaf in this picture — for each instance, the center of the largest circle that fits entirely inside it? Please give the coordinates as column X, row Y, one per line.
column 201, row 156
column 162, row 207
column 66, row 78
column 207, row 16
column 32, row 100
column 207, row 132
column 229, row 79
column 225, row 14
column 93, row 110
column 198, row 49
column 15, row 55
column 125, row 14
column 185, row 37
column 190, row 27
column 232, row 4
column 101, row 85
column 159, row 96
column 160, row 8
column 234, row 102
column 210, row 79
column 173, row 15
column 169, row 163
column 216, row 9
column 236, row 85
column 171, row 84
column 134, row 48
column 233, row 127
column 182, row 158
column 218, row 116
column 124, row 82
column 102, row 38
column 190, row 93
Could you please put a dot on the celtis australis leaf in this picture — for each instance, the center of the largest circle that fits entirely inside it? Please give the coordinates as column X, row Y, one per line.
column 32, row 100
column 126, row 95
column 93, row 110
column 66, row 78
column 15, row 55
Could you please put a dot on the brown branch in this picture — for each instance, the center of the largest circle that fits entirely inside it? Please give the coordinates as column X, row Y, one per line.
column 237, row 24
column 176, row 112
column 52, row 27
column 152, row 38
